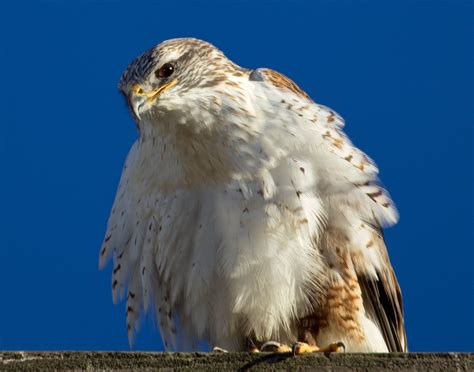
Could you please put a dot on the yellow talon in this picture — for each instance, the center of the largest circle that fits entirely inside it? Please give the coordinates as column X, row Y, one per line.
column 303, row 347
column 253, row 349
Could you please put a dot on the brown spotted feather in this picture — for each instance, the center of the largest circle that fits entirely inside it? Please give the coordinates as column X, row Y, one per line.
column 280, row 81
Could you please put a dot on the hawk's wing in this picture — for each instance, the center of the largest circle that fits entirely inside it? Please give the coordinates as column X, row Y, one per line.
column 357, row 206
column 382, row 300
column 131, row 241
column 121, row 244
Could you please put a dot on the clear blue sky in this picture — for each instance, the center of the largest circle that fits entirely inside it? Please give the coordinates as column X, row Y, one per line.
column 401, row 73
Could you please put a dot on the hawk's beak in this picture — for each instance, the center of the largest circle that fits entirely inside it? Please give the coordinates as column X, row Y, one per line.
column 139, row 96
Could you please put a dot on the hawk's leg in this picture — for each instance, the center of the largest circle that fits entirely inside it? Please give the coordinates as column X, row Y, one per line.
column 307, row 336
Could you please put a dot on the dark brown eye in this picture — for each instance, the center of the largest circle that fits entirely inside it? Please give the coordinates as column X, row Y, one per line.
column 165, row 71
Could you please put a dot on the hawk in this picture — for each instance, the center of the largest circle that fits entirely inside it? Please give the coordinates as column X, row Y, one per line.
column 245, row 216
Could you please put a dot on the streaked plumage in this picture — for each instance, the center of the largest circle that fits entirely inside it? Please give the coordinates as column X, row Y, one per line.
column 245, row 213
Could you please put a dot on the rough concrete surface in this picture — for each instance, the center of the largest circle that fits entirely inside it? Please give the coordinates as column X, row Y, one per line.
column 94, row 360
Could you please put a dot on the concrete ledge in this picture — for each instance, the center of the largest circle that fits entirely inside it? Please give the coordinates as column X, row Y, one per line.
column 56, row 360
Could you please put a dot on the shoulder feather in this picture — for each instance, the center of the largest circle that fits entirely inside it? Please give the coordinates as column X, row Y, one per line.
column 278, row 80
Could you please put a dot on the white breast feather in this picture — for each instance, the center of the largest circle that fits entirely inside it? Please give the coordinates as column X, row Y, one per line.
column 214, row 255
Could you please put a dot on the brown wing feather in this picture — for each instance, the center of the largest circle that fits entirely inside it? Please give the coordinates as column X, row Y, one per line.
column 382, row 299
column 278, row 80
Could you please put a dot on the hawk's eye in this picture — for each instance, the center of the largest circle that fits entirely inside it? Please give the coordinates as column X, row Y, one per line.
column 165, row 71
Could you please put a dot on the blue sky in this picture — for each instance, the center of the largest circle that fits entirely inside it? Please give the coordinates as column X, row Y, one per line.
column 400, row 72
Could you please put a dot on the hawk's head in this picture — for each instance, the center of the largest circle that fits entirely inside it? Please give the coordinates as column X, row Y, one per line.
column 170, row 75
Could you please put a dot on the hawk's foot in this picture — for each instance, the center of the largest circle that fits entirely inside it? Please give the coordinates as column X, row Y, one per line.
column 275, row 347
column 303, row 347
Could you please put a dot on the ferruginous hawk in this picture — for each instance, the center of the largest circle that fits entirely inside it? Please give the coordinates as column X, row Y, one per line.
column 245, row 215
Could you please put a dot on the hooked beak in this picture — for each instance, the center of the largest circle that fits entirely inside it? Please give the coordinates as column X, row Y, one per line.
column 139, row 96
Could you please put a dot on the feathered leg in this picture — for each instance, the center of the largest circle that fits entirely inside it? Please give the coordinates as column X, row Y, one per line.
column 307, row 333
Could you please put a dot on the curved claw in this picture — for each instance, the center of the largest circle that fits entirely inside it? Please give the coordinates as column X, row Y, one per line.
column 217, row 349
column 340, row 345
column 276, row 347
